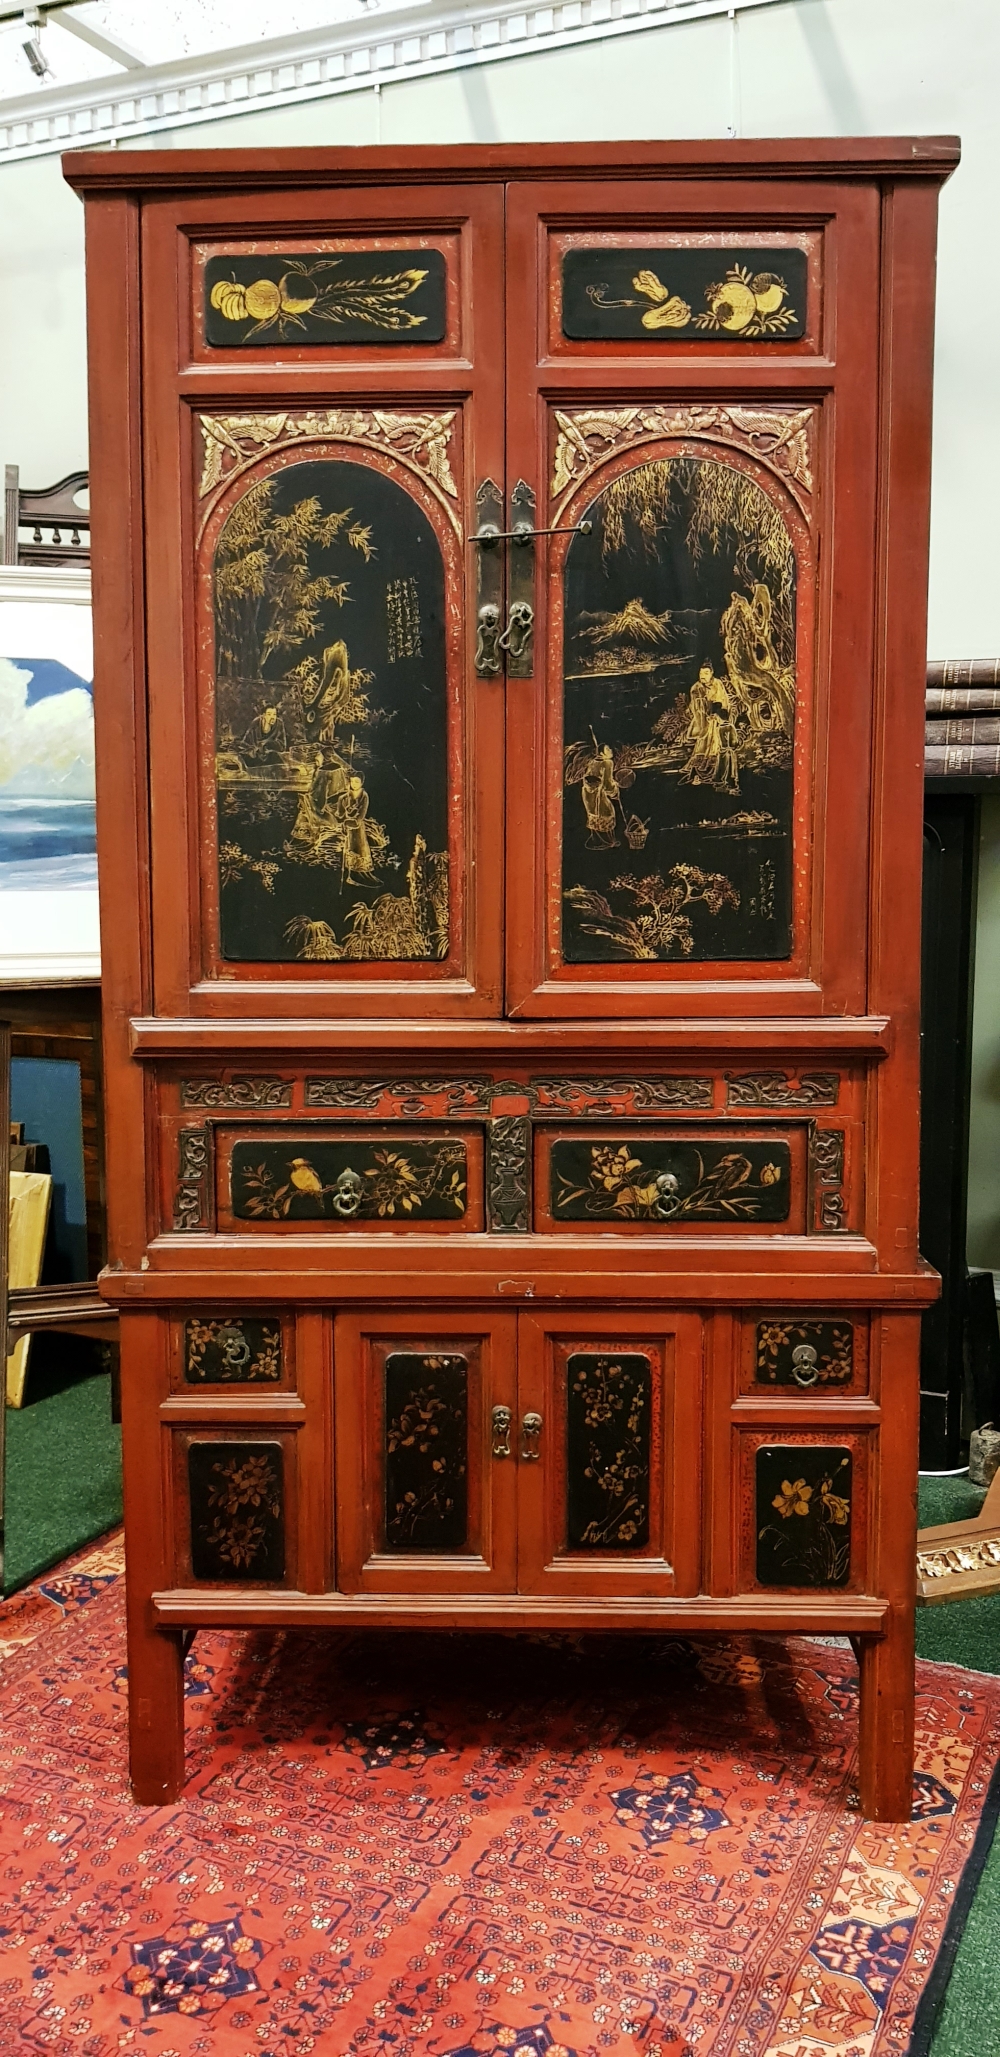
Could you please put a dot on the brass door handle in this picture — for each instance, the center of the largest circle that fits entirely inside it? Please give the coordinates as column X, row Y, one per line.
column 501, row 1420
column 531, row 1429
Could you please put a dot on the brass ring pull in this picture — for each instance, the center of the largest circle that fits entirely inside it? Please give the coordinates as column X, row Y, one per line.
column 804, row 1368
column 531, row 1429
column 501, row 1420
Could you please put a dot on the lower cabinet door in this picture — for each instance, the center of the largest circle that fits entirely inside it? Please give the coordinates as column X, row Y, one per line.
column 425, row 1454
column 609, row 1453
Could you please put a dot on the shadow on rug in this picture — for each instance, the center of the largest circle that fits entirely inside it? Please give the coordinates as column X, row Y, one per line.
column 472, row 1847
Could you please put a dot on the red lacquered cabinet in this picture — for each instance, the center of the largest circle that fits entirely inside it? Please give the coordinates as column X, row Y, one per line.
column 509, row 588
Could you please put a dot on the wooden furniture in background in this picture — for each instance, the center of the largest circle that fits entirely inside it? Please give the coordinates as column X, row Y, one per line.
column 60, row 527
column 510, row 668
column 30, row 1197
column 959, row 1558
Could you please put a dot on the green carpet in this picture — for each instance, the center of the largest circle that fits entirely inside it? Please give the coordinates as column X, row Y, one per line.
column 64, row 1468
column 967, row 1632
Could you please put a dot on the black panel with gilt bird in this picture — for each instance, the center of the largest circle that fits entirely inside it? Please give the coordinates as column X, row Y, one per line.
column 663, row 294
column 679, row 713
column 361, row 296
column 331, row 721
column 336, row 1183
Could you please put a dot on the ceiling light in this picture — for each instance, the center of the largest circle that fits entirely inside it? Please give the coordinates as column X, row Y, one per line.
column 31, row 21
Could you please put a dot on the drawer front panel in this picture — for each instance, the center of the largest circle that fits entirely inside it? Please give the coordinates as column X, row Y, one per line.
column 793, row 1352
column 336, row 1182
column 671, row 1180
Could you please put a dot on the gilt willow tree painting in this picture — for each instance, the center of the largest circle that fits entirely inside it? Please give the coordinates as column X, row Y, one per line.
column 331, row 720
column 679, row 667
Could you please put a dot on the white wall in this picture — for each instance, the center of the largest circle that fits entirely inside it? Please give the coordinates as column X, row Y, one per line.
column 836, row 67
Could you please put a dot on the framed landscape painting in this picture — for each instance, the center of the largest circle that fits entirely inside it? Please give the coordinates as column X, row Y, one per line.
column 48, row 851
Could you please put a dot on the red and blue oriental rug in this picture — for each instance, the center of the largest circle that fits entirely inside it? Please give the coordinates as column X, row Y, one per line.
column 437, row 1847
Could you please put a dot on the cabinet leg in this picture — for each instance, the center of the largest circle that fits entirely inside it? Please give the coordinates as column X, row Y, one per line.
column 156, row 1714
column 886, row 1742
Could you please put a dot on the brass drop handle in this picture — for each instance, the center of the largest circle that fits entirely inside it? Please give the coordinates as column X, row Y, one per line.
column 501, row 1420
column 804, row 1367
column 531, row 1429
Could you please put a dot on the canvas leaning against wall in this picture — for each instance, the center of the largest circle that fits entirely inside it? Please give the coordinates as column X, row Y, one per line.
column 48, row 849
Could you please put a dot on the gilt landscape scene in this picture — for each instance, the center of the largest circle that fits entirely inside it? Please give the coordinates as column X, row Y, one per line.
column 331, row 721
column 679, row 714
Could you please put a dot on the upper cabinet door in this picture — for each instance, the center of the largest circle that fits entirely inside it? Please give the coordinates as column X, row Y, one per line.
column 324, row 380
column 693, row 407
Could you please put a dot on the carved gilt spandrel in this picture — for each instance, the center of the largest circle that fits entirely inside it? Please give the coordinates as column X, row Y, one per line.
column 191, row 1194
column 826, row 1165
column 508, row 1173
column 244, row 1091
column 410, row 1096
column 600, row 1096
column 421, row 441
column 782, row 1089
column 782, row 439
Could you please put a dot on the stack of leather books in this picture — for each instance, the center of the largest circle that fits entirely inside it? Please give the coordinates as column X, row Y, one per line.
column 962, row 731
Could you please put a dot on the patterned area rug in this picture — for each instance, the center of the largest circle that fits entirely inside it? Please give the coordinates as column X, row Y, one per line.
column 507, row 1847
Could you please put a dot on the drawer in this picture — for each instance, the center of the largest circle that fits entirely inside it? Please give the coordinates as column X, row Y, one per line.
column 335, row 1179
column 793, row 1352
column 669, row 1180
column 213, row 1350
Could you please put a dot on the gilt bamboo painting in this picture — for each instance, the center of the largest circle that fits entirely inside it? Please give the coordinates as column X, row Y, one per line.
column 331, row 720
column 679, row 714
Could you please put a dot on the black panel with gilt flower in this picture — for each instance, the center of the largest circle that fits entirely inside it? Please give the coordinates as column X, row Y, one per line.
column 608, row 1419
column 662, row 1181
column 312, row 1179
column 331, row 720
column 317, row 296
column 239, row 1350
column 803, row 1506
column 237, row 1511
column 426, row 1451
column 804, row 1353
column 658, row 294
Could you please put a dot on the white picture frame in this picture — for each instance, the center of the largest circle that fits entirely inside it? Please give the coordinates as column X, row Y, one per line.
column 49, row 929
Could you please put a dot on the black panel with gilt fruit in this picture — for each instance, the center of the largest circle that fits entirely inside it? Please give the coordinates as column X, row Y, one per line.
column 426, row 1451
column 236, row 1351
column 662, row 1182
column 336, row 1183
column 359, row 296
column 679, row 715
column 803, row 1504
column 608, row 1421
column 804, row 1353
column 237, row 1511
column 331, row 721
column 660, row 295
